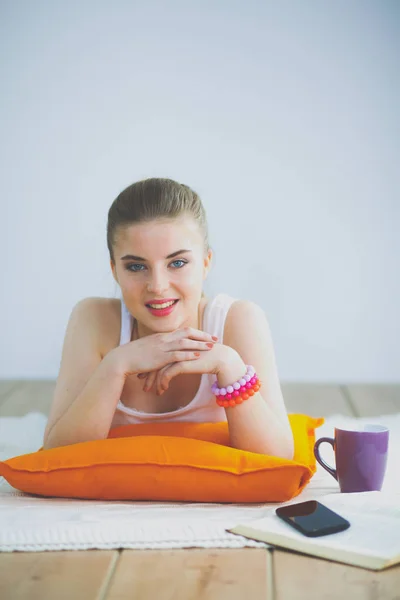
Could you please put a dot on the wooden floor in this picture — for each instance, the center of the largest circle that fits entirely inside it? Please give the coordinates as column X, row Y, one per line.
column 194, row 574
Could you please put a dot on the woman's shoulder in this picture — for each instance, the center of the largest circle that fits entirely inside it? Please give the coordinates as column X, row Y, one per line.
column 104, row 315
column 233, row 303
column 242, row 311
column 235, row 311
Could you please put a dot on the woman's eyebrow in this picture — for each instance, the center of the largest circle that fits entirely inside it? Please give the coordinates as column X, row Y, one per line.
column 132, row 257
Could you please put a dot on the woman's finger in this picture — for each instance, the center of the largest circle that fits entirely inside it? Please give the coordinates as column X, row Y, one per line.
column 164, row 377
column 193, row 334
column 157, row 383
column 185, row 344
column 150, row 379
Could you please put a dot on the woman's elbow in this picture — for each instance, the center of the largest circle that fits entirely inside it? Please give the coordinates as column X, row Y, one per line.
column 287, row 448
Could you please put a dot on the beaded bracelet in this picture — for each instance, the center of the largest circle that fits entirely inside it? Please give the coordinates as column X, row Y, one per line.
column 237, row 392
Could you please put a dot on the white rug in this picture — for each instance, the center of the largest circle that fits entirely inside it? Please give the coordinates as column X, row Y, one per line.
column 30, row 524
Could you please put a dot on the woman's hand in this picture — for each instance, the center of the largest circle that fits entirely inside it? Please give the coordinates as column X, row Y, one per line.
column 154, row 352
column 213, row 361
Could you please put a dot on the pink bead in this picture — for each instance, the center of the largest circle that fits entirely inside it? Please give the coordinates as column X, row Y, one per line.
column 228, row 396
column 248, row 385
column 253, row 380
column 236, row 394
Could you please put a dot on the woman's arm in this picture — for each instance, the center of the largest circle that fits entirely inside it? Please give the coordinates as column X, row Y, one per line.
column 89, row 416
column 260, row 424
column 88, row 386
column 253, row 425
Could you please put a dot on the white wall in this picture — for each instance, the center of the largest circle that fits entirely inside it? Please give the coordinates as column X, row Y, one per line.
column 284, row 116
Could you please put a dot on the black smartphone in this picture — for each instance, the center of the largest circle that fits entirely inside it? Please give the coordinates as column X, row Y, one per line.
column 312, row 518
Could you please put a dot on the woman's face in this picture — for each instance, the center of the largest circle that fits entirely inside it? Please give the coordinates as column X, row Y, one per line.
column 161, row 260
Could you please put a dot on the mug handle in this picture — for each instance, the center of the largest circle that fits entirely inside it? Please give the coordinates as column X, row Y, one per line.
column 330, row 441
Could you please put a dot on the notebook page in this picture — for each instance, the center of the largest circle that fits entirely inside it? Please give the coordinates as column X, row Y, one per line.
column 374, row 525
column 375, row 504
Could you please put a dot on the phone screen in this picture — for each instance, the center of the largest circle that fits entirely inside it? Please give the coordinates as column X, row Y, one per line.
column 312, row 518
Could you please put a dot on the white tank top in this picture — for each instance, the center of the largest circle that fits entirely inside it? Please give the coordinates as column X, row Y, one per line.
column 203, row 408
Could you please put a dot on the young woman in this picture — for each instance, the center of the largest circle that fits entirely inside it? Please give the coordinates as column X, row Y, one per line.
column 166, row 352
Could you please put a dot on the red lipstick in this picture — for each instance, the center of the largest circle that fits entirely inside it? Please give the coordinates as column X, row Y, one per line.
column 161, row 301
column 162, row 312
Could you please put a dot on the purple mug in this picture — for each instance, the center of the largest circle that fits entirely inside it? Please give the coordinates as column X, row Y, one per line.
column 360, row 455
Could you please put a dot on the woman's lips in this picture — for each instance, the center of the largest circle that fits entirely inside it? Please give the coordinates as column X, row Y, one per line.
column 162, row 312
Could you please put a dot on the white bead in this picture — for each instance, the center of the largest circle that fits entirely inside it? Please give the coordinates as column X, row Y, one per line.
column 242, row 381
column 229, row 389
column 247, row 378
column 217, row 392
column 236, row 385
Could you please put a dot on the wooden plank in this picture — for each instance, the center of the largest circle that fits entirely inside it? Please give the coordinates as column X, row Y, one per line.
column 81, row 575
column 27, row 397
column 371, row 400
column 6, row 387
column 299, row 577
column 313, row 399
column 316, row 400
column 198, row 574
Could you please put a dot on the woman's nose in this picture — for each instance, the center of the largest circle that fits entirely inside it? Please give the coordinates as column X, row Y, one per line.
column 158, row 283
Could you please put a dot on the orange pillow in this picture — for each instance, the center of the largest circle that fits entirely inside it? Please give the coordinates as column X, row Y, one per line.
column 186, row 462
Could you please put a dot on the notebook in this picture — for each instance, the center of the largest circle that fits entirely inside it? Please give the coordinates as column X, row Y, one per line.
column 372, row 540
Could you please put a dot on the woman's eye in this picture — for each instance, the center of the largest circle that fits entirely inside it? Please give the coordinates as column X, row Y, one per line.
column 129, row 267
column 136, row 267
column 179, row 261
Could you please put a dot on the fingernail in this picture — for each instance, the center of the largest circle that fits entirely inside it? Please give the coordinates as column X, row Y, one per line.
column 214, row 337
column 197, row 353
column 210, row 345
